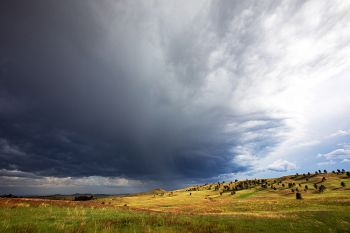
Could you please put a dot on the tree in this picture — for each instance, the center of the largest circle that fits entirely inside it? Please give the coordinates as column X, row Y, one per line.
column 342, row 184
column 325, row 171
column 298, row 196
column 321, row 188
column 83, row 198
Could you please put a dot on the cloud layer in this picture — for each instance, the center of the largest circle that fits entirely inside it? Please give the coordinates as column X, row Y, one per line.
column 169, row 92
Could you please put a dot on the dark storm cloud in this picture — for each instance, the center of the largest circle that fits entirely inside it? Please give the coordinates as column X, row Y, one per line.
column 113, row 89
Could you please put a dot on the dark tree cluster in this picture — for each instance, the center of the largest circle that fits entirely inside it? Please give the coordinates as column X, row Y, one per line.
column 322, row 188
column 83, row 198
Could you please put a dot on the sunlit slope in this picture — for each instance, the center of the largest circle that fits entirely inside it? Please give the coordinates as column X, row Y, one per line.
column 270, row 197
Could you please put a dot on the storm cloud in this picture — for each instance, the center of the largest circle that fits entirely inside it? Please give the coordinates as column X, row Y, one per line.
column 158, row 91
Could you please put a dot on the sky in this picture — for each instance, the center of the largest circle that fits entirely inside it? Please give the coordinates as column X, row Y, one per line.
column 125, row 96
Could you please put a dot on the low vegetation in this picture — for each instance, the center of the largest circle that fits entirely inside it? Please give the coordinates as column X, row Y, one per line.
column 298, row 203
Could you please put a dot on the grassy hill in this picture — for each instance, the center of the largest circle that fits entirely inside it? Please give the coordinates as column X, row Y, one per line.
column 259, row 205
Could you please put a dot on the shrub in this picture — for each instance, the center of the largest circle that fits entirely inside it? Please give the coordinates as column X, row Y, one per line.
column 233, row 192
column 298, row 196
column 321, row 188
column 83, row 198
column 306, row 187
column 342, row 184
column 323, row 179
column 315, row 186
column 348, row 174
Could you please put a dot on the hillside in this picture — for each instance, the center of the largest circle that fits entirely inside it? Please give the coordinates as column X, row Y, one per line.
column 250, row 196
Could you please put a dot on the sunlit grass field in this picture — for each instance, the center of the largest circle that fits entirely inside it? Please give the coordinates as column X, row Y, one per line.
column 255, row 209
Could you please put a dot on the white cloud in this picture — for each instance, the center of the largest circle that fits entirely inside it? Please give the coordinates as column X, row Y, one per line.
column 24, row 179
column 340, row 133
column 345, row 161
column 281, row 166
column 337, row 154
column 340, row 155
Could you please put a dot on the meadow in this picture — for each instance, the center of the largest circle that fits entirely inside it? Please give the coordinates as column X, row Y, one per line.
column 243, row 206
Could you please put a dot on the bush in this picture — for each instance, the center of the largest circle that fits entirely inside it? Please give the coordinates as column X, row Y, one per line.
column 233, row 192
column 306, row 187
column 298, row 196
column 322, row 188
column 315, row 186
column 342, row 184
column 83, row 198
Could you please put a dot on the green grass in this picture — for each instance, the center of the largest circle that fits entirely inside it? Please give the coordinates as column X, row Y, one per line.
column 84, row 219
column 251, row 210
